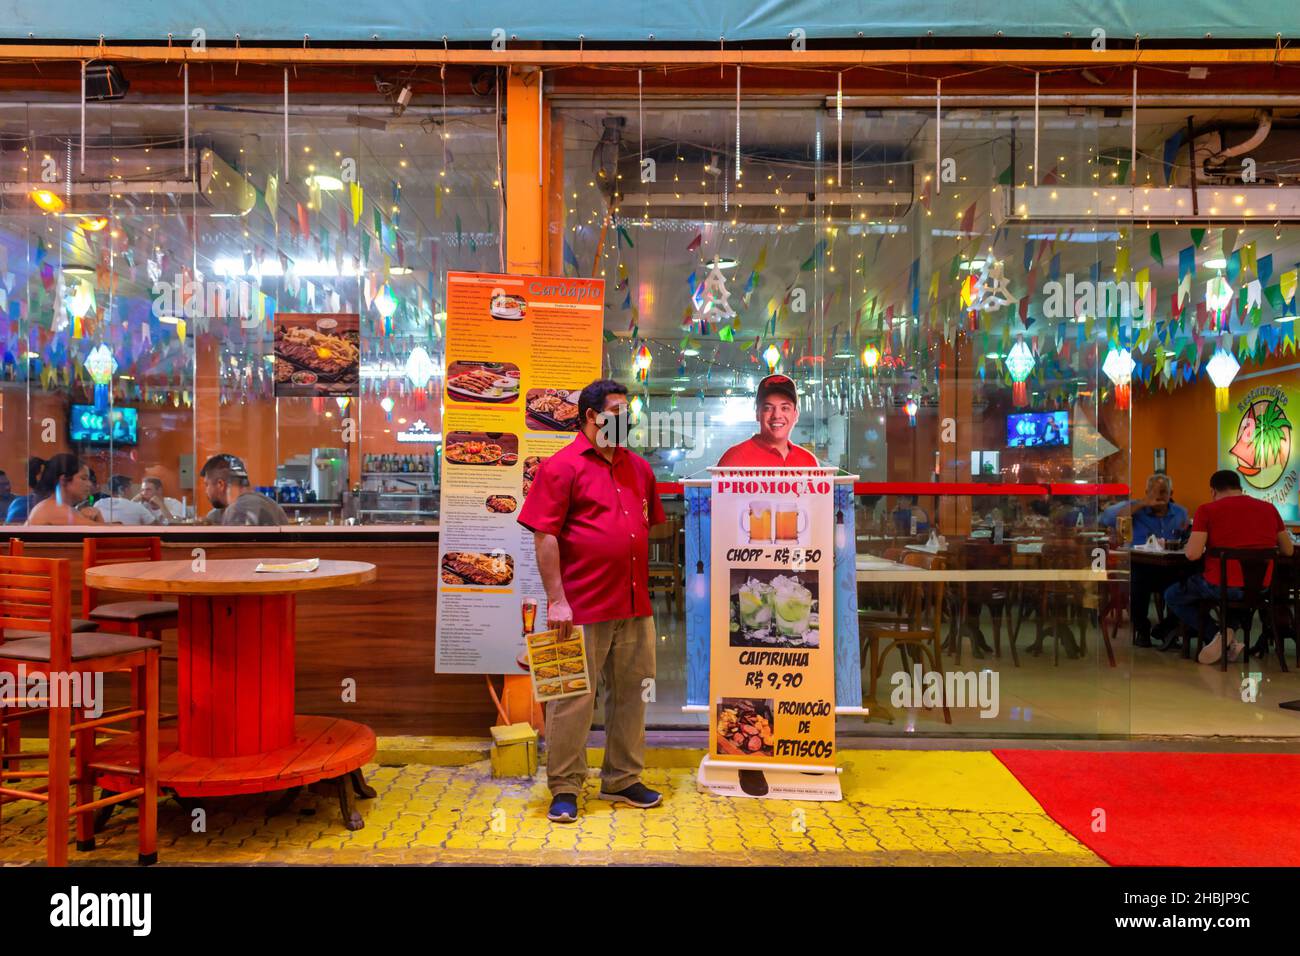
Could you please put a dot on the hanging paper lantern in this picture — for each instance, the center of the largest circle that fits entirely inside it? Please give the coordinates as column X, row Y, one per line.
column 79, row 300
column 101, row 365
column 386, row 302
column 419, row 367
column 387, row 403
column 772, row 356
column 911, row 407
column 1119, row 367
column 1222, row 368
column 1218, row 296
column 871, row 357
column 1020, row 362
column 641, row 363
column 634, row 407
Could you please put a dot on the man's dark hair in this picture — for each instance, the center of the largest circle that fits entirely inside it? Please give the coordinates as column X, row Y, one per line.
column 225, row 468
column 594, row 395
column 1225, row 480
column 119, row 485
column 151, row 480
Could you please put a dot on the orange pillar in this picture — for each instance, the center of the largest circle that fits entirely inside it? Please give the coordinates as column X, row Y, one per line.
column 524, row 173
column 207, row 405
column 956, row 392
column 526, row 254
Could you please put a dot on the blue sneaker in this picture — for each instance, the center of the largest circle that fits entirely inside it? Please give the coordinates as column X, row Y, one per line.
column 638, row 795
column 564, row 808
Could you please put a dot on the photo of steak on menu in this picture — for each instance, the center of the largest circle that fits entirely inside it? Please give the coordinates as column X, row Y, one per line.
column 493, row 382
column 473, row 567
column 552, row 409
column 317, row 356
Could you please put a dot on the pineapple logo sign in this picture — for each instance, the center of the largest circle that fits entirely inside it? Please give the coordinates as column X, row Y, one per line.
column 1261, row 446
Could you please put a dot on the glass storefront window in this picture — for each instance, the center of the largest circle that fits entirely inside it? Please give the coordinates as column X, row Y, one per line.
column 168, row 283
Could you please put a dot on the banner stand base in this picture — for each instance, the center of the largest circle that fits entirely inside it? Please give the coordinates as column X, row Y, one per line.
column 728, row 780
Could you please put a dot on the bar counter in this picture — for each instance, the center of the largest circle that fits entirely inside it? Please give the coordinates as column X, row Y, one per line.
column 381, row 634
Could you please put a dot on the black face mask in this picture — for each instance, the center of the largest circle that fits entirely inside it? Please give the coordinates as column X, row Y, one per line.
column 612, row 429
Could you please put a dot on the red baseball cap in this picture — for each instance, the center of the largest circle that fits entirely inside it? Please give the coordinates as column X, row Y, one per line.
column 777, row 383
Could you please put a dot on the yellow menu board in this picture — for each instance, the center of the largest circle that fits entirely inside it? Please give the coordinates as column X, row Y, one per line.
column 772, row 648
column 519, row 349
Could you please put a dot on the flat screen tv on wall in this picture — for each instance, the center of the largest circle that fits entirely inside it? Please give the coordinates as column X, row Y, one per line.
column 116, row 426
column 1038, row 429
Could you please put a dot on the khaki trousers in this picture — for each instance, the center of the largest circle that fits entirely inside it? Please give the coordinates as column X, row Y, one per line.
column 621, row 654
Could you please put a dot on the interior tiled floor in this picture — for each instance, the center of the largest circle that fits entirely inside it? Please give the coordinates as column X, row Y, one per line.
column 899, row 808
column 1147, row 692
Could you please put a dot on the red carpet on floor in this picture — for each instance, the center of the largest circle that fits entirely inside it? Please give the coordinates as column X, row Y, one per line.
column 1169, row 809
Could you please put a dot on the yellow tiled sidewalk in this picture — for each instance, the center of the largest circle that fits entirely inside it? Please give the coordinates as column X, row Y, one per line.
column 900, row 808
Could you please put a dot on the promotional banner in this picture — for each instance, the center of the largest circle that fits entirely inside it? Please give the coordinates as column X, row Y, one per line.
column 518, row 351
column 772, row 654
column 1255, row 439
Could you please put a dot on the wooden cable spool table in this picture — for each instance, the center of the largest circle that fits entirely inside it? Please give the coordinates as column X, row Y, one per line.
column 236, row 731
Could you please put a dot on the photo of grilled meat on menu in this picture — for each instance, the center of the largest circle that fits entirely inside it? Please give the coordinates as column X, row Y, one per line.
column 317, row 356
column 473, row 567
column 552, row 409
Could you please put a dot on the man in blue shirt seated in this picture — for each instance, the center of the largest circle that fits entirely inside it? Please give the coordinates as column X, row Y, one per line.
column 1156, row 514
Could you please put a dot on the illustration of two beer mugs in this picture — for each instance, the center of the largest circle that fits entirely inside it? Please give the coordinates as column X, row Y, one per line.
column 768, row 523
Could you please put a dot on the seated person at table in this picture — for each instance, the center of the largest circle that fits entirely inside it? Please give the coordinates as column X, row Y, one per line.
column 777, row 411
column 118, row 508
column 6, row 492
column 164, row 509
column 1156, row 514
column 225, row 479
column 63, row 484
column 1230, row 519
column 21, row 506
column 1039, row 517
column 907, row 510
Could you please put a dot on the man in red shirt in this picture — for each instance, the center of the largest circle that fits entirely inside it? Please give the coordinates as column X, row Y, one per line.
column 1230, row 519
column 778, row 413
column 590, row 508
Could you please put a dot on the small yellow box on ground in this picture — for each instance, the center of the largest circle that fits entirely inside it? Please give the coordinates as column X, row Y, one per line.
column 514, row 750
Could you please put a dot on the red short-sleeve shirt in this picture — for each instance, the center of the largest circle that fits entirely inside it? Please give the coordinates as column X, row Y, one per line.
column 602, row 513
column 752, row 453
column 1237, row 521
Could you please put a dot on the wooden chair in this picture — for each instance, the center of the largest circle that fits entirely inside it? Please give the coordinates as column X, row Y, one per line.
column 666, row 563
column 972, row 597
column 918, row 625
column 35, row 595
column 1115, row 605
column 1062, row 598
column 79, row 624
column 1261, row 579
column 147, row 618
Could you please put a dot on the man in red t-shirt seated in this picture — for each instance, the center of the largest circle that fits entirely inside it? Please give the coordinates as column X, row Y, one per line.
column 1229, row 520
column 778, row 413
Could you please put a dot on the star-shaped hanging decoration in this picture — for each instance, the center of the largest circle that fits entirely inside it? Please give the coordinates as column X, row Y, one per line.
column 716, row 297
